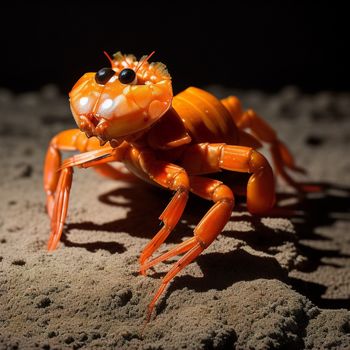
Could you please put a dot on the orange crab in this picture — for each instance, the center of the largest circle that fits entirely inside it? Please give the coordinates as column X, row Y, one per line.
column 127, row 113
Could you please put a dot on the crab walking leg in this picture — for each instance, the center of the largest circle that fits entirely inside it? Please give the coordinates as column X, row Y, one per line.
column 177, row 267
column 70, row 140
column 250, row 119
column 207, row 189
column 60, row 207
column 206, row 157
column 64, row 141
column 99, row 161
column 61, row 200
column 179, row 249
column 280, row 154
column 89, row 159
column 169, row 176
column 170, row 217
column 205, row 232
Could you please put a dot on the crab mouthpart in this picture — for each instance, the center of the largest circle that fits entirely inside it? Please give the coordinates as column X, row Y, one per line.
column 93, row 125
column 86, row 125
column 93, row 118
column 101, row 129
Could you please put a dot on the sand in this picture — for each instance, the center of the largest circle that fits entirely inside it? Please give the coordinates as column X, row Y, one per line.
column 278, row 281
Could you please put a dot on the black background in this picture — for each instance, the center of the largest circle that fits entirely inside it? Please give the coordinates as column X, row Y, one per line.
column 256, row 45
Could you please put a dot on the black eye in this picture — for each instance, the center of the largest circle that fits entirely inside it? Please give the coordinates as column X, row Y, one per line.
column 127, row 76
column 103, row 75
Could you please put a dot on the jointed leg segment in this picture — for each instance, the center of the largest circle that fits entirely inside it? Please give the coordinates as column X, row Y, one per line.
column 61, row 197
column 282, row 157
column 204, row 234
column 260, row 188
column 69, row 140
column 175, row 178
column 60, row 207
column 58, row 178
column 260, row 198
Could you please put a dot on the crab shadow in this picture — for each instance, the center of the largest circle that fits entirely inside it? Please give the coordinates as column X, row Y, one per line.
column 308, row 214
column 143, row 204
column 220, row 270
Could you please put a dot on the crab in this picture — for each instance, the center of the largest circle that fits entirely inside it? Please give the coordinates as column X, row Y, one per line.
column 127, row 113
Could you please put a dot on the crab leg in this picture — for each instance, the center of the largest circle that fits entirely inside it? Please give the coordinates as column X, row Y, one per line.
column 64, row 141
column 61, row 199
column 60, row 207
column 263, row 131
column 214, row 157
column 281, row 155
column 88, row 159
column 204, row 234
column 70, row 140
column 169, row 176
column 170, row 217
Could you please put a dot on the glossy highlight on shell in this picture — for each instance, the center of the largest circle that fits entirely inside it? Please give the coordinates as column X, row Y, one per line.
column 148, row 95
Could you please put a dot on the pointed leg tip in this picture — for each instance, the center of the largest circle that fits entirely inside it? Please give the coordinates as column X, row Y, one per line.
column 51, row 245
column 49, row 208
column 142, row 259
column 149, row 314
column 143, row 270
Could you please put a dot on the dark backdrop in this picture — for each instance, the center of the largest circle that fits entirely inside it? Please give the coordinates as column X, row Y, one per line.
column 264, row 45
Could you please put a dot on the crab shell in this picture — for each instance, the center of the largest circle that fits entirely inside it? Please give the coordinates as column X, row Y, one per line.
column 116, row 110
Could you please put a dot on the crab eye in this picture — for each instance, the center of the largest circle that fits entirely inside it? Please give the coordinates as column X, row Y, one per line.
column 103, row 75
column 127, row 76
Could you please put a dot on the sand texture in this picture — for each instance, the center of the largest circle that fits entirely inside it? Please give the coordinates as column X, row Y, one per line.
column 276, row 282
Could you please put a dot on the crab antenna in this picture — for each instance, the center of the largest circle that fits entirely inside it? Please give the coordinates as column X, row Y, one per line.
column 109, row 58
column 145, row 60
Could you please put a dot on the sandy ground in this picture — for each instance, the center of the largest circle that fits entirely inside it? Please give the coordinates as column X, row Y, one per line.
column 280, row 281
